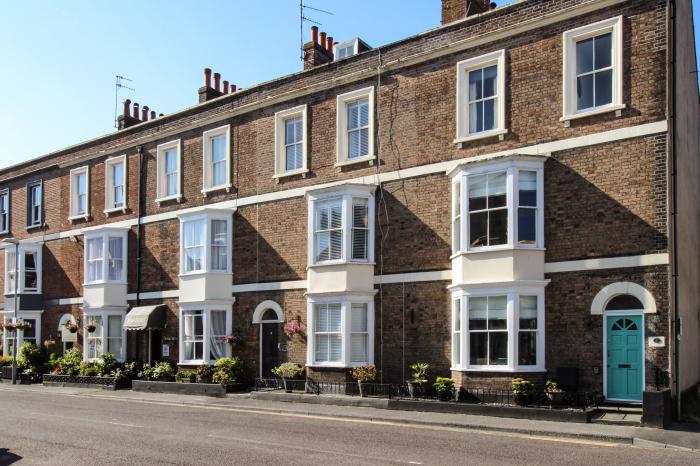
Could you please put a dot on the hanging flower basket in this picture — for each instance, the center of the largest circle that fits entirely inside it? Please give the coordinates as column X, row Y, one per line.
column 71, row 327
column 21, row 325
column 49, row 344
column 232, row 340
column 292, row 329
column 91, row 328
column 10, row 326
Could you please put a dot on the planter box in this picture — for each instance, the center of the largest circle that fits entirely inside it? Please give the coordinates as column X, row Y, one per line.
column 107, row 383
column 201, row 389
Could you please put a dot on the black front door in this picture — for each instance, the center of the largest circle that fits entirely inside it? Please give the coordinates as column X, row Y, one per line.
column 270, row 348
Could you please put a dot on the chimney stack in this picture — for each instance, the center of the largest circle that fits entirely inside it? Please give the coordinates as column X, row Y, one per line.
column 209, row 92
column 317, row 51
column 454, row 10
column 130, row 116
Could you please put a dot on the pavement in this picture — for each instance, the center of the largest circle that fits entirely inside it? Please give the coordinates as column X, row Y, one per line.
column 50, row 425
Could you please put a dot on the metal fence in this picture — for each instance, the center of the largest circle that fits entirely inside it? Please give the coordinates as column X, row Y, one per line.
column 538, row 398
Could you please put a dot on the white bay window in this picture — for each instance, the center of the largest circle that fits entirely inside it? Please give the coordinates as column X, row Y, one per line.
column 105, row 256
column 107, row 335
column 205, row 242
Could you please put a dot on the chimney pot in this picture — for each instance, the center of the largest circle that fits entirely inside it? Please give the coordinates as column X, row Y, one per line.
column 233, row 88
column 153, row 114
column 144, row 113
column 127, row 104
column 136, row 110
column 323, row 40
column 314, row 34
column 329, row 45
column 207, row 77
column 217, row 80
column 160, row 115
column 225, row 90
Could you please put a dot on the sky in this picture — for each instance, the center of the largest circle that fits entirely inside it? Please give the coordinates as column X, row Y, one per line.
column 59, row 59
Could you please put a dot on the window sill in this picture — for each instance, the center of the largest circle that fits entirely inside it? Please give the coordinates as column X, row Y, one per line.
column 213, row 189
column 339, row 262
column 488, row 134
column 75, row 218
column 566, row 119
column 104, row 282
column 204, row 272
column 33, row 227
column 500, row 369
column 494, row 249
column 194, row 362
column 346, row 162
column 177, row 197
column 301, row 172
column 115, row 210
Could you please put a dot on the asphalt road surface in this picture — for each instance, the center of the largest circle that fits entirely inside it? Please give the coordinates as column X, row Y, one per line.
column 46, row 428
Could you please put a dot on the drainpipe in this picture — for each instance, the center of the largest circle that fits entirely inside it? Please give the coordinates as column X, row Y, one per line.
column 139, row 226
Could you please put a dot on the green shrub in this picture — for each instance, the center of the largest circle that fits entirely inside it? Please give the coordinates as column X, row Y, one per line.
column 223, row 377
column 88, row 369
column 364, row 373
column 163, row 371
column 5, row 361
column 288, row 370
column 147, row 372
column 70, row 362
column 521, row 386
column 205, row 373
column 106, row 364
column 444, row 385
column 419, row 371
column 233, row 367
column 30, row 358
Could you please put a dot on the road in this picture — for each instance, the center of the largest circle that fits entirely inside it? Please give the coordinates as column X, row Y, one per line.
column 48, row 428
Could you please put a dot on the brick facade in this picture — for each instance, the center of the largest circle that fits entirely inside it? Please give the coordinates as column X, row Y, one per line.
column 602, row 199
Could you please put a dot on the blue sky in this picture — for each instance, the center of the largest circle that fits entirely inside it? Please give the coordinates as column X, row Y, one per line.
column 59, row 59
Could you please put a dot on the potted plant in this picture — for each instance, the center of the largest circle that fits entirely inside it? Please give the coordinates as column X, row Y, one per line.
column 205, row 373
column 9, row 326
column 419, row 376
column 182, row 376
column 292, row 329
column 49, row 344
column 287, row 370
column 445, row 388
column 21, row 325
column 364, row 374
column 522, row 389
column 554, row 393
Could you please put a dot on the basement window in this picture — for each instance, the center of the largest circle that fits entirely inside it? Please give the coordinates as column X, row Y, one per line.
column 115, row 184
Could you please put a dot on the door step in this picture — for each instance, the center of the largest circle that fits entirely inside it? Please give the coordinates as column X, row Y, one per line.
column 618, row 415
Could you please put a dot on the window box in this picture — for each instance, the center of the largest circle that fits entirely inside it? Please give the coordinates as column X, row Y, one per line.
column 481, row 97
column 216, row 153
column 355, row 127
column 498, row 329
column 79, row 194
column 116, row 192
column 291, row 142
column 341, row 331
column 593, row 61
column 169, row 172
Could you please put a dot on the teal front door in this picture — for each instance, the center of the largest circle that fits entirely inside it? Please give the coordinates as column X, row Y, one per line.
column 625, row 348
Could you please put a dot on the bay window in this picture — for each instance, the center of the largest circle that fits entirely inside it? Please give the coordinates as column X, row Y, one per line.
column 217, row 159
column 205, row 242
column 498, row 329
column 30, row 269
column 115, row 184
column 342, row 331
column 593, row 81
column 498, row 205
column 290, row 142
column 202, row 331
column 108, row 335
column 341, row 224
column 105, row 256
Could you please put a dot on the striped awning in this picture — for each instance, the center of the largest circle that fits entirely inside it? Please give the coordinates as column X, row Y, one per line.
column 146, row 318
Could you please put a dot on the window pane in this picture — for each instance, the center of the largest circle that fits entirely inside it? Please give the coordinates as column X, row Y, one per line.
column 478, row 351
column 170, row 161
column 489, row 114
column 498, row 348
column 219, row 238
column 359, row 231
column 477, row 313
column 336, row 216
column 474, row 113
column 584, row 92
column 527, row 188
column 603, row 88
column 584, row 56
column 527, row 348
column 528, row 312
column 477, row 192
column 475, row 85
column 490, row 81
column 496, row 190
column 359, row 317
column 353, row 144
column 29, row 260
column 218, row 149
column 336, row 246
column 603, row 51
column 359, row 348
column 114, row 327
column 29, row 333
column 497, row 313
column 30, row 280
column 527, row 225
column 116, row 259
column 478, row 225
column 498, row 227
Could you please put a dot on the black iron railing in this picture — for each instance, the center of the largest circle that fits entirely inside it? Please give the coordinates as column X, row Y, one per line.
column 537, row 398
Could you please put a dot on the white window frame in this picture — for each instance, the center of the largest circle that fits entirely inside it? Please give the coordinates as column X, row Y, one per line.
column 23, row 248
column 105, row 234
column 207, row 165
column 207, row 217
column 206, row 309
column 341, row 141
column 345, row 194
column 8, row 316
column 280, row 142
column 497, row 58
column 74, row 214
column 32, row 221
column 354, row 43
column 346, row 303
column 5, row 215
column 512, row 169
column 512, row 295
column 570, row 38
column 104, row 314
column 110, row 165
column 161, row 177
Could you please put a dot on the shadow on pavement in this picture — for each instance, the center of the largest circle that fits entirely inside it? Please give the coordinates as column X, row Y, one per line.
column 7, row 457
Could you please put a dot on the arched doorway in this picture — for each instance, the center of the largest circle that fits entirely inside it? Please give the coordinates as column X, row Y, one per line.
column 623, row 306
column 269, row 316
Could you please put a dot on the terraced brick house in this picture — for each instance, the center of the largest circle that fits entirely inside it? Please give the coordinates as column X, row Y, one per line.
column 511, row 194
